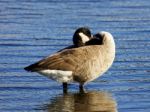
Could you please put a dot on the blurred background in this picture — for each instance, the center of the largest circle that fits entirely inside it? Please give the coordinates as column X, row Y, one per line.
column 33, row 29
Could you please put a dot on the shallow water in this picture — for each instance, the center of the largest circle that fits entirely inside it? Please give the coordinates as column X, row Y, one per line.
column 33, row 29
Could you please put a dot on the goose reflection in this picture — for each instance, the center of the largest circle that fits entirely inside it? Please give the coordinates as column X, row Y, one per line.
column 83, row 102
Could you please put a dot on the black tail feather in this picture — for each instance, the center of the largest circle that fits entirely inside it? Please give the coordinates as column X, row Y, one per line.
column 31, row 68
column 28, row 68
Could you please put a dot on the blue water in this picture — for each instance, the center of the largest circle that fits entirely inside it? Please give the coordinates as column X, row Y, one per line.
column 33, row 29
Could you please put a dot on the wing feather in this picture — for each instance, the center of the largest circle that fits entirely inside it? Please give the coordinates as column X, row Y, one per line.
column 77, row 60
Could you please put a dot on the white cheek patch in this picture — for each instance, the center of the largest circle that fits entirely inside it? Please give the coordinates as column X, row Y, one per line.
column 84, row 37
column 58, row 75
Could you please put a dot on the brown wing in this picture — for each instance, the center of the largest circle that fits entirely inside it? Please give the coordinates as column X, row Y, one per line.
column 65, row 60
column 69, row 47
column 79, row 60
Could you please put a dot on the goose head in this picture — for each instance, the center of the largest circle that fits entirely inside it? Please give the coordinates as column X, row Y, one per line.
column 103, row 38
column 81, row 36
column 96, row 40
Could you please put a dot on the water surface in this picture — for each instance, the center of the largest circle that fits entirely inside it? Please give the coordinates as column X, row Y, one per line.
column 33, row 29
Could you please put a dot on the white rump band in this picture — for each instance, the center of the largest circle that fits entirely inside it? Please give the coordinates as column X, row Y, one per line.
column 58, row 75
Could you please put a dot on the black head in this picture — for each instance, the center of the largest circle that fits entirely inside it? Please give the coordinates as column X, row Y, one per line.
column 96, row 40
column 80, row 33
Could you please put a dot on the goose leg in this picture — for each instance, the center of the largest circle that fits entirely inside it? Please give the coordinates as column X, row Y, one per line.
column 81, row 88
column 65, row 87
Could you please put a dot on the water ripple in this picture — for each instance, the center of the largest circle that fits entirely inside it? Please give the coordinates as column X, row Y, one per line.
column 33, row 29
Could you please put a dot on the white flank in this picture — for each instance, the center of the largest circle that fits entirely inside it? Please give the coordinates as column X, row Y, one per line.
column 84, row 37
column 58, row 75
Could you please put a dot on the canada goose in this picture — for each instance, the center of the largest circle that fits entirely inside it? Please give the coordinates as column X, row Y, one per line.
column 82, row 64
